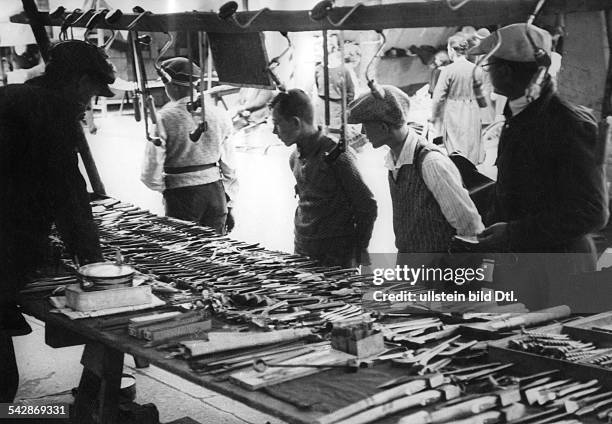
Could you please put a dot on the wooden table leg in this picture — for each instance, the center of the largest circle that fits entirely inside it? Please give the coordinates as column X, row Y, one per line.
column 98, row 393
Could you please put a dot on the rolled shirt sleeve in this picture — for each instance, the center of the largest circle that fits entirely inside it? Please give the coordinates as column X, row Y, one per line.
column 152, row 174
column 442, row 178
column 227, row 164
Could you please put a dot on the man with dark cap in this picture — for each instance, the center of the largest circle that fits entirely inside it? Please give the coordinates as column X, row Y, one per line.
column 41, row 183
column 430, row 204
column 336, row 209
column 197, row 179
column 550, row 192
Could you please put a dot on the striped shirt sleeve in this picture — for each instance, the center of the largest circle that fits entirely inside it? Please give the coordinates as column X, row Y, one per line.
column 442, row 178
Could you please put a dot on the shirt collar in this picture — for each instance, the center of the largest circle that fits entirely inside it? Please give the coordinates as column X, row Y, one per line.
column 518, row 105
column 531, row 110
column 406, row 156
column 309, row 146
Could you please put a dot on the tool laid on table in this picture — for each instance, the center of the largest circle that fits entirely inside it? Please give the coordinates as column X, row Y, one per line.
column 403, row 390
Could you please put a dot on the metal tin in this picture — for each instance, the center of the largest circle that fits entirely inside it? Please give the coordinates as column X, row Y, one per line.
column 101, row 275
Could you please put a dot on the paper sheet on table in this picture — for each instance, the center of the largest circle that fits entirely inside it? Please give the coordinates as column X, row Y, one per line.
column 59, row 302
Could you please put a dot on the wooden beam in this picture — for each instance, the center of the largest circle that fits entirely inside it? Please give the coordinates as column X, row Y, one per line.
column 36, row 21
column 410, row 14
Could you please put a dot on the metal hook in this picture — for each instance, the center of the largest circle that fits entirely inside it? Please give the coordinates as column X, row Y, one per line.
column 80, row 18
column 321, row 10
column 161, row 53
column 228, row 12
column 112, row 17
column 457, row 6
column 68, row 20
column 93, row 22
column 376, row 90
column 348, row 15
column 141, row 13
column 274, row 62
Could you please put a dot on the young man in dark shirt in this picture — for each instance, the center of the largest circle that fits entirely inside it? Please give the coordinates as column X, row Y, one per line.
column 336, row 209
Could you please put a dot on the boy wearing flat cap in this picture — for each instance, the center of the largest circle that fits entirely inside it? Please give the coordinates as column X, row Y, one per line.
column 336, row 209
column 550, row 192
column 40, row 130
column 197, row 179
column 430, row 204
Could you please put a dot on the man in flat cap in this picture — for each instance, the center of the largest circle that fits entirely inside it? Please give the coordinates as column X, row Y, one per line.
column 197, row 178
column 336, row 209
column 430, row 204
column 41, row 183
column 550, row 192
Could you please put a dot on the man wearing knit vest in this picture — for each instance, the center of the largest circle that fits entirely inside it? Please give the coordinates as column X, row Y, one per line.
column 336, row 209
column 430, row 204
column 196, row 178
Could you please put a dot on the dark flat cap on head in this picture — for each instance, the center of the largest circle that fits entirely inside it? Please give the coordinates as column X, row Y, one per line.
column 177, row 71
column 80, row 57
column 391, row 108
column 515, row 45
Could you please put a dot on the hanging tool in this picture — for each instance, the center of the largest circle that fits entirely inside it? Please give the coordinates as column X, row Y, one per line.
column 319, row 12
column 339, row 148
column 202, row 125
column 227, row 12
column 541, row 58
column 275, row 62
column 160, row 54
column 142, row 91
column 376, row 89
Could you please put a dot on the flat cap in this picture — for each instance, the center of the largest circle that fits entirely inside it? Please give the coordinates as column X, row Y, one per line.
column 515, row 45
column 80, row 57
column 177, row 71
column 391, row 108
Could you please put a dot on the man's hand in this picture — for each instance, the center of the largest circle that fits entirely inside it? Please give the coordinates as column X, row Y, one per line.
column 494, row 236
column 229, row 221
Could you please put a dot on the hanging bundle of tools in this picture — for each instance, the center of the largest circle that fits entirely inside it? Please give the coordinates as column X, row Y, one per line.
column 319, row 12
column 143, row 99
column 202, row 126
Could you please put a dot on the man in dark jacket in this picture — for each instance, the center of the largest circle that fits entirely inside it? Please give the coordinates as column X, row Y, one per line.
column 550, row 191
column 41, row 183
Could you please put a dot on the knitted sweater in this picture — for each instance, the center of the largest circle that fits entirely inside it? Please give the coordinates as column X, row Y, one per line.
column 418, row 221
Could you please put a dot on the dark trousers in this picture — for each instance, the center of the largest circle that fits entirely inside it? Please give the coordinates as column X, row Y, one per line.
column 9, row 376
column 204, row 204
